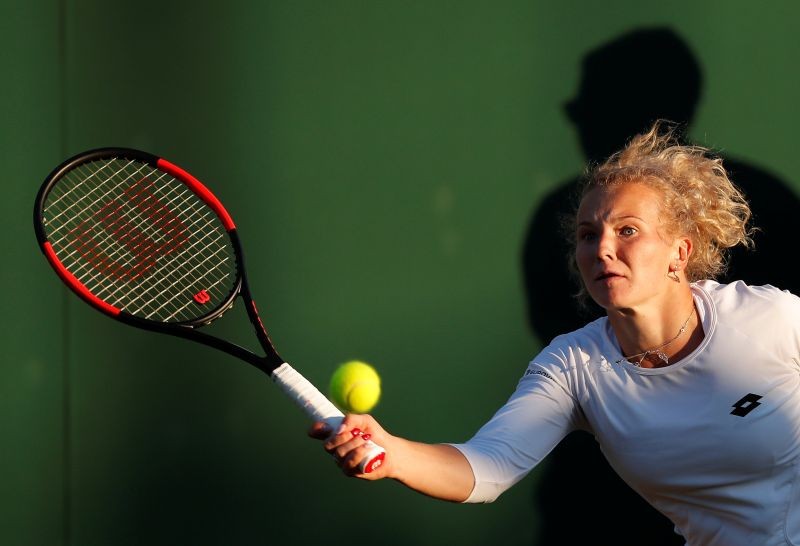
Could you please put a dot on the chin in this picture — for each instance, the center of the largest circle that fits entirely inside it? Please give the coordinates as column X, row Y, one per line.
column 607, row 301
column 601, row 296
column 613, row 292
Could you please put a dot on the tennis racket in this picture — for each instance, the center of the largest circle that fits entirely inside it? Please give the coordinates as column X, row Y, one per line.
column 146, row 243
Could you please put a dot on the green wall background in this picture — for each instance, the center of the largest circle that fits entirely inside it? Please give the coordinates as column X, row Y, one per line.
column 382, row 161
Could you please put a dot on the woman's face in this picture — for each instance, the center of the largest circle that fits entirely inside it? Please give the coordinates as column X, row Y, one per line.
column 622, row 250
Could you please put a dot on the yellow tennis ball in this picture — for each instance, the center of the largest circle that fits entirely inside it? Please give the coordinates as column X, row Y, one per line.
column 355, row 387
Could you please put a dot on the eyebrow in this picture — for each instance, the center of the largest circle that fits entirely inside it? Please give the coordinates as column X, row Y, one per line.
column 614, row 219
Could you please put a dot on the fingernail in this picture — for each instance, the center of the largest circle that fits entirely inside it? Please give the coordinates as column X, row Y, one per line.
column 356, row 432
column 366, row 436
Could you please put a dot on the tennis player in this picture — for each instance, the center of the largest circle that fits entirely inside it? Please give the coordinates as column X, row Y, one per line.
column 691, row 387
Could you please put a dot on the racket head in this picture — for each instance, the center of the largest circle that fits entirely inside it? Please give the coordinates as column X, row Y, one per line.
column 136, row 236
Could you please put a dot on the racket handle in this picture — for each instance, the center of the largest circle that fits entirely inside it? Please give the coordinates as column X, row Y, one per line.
column 317, row 406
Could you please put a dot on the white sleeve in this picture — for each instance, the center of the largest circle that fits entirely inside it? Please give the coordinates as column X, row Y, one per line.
column 522, row 432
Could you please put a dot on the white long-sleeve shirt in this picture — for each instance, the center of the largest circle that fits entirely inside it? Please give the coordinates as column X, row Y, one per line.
column 712, row 441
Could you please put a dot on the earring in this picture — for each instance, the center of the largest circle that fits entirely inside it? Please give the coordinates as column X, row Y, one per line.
column 673, row 274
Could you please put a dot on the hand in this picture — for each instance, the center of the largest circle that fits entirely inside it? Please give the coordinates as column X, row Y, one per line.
column 346, row 444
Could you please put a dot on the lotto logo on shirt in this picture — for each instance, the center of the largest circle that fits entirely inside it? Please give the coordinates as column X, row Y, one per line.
column 746, row 404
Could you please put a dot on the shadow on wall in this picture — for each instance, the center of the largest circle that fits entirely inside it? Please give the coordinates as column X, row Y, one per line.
column 626, row 84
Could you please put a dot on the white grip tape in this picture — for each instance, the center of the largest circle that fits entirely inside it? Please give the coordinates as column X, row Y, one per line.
column 306, row 395
column 317, row 406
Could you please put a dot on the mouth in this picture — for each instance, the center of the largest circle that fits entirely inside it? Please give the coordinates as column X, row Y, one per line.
column 607, row 275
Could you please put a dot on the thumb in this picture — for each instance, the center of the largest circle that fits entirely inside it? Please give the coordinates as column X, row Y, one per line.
column 320, row 430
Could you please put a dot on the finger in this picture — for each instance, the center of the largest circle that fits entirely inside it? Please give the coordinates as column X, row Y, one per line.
column 342, row 444
column 349, row 428
column 320, row 430
column 357, row 421
column 351, row 463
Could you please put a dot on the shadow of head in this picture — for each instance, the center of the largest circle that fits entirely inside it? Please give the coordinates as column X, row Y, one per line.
column 628, row 83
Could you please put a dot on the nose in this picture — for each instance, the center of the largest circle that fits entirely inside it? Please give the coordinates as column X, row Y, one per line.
column 606, row 247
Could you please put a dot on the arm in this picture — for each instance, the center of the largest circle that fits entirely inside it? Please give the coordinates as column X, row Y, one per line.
column 536, row 417
column 436, row 470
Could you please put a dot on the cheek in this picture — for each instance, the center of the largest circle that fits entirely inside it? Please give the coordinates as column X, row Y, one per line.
column 654, row 257
column 583, row 259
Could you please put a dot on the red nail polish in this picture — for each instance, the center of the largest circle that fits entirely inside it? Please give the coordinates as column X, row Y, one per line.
column 356, row 432
column 366, row 436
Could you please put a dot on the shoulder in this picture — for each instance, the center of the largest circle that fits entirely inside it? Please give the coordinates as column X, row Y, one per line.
column 592, row 333
column 766, row 315
column 571, row 353
column 738, row 296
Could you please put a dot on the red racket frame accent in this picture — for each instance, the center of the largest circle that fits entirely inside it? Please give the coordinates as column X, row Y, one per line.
column 76, row 285
column 199, row 189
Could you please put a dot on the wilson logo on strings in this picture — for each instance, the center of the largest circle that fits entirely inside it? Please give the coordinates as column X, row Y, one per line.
column 116, row 247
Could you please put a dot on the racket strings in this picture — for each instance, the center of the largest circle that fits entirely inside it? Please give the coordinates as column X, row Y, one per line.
column 140, row 240
column 108, row 215
column 90, row 209
column 182, row 272
column 78, row 178
column 143, row 295
column 175, row 268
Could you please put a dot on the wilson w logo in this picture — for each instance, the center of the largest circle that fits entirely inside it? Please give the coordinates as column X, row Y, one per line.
column 114, row 241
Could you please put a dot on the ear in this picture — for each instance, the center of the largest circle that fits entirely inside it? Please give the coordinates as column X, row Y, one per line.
column 683, row 249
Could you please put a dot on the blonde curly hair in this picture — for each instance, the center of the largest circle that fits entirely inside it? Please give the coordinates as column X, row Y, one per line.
column 698, row 198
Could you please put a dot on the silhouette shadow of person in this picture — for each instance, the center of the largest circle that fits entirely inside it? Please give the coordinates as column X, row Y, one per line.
column 627, row 84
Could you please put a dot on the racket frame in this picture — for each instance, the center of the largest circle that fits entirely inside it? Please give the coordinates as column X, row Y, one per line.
column 187, row 329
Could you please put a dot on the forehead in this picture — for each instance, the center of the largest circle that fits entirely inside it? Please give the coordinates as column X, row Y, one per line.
column 620, row 200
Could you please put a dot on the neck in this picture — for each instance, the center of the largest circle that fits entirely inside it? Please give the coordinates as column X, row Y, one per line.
column 659, row 337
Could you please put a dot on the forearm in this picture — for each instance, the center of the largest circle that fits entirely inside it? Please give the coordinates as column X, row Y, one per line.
column 436, row 470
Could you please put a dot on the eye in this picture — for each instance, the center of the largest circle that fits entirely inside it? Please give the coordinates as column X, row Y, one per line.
column 586, row 235
column 628, row 231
